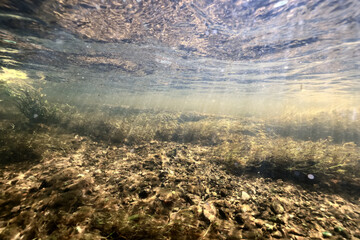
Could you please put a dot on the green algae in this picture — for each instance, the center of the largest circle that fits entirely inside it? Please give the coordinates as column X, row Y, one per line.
column 241, row 144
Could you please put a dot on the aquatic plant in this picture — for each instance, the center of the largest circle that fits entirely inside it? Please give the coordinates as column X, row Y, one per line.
column 285, row 158
column 142, row 127
column 342, row 125
column 33, row 105
column 17, row 147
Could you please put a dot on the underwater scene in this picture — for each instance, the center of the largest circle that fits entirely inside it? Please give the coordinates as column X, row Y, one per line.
column 179, row 119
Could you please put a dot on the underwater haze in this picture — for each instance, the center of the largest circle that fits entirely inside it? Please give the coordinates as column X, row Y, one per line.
column 179, row 119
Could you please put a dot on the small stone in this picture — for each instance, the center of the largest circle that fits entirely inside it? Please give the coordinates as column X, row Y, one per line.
column 338, row 229
column 245, row 196
column 259, row 222
column 282, row 218
column 209, row 212
column 266, row 214
column 249, row 223
column 32, row 178
column 295, row 231
column 236, row 234
column 245, row 208
column 172, row 153
column 15, row 209
column 269, row 227
column 252, row 234
column 277, row 234
column 327, row 234
column 277, row 207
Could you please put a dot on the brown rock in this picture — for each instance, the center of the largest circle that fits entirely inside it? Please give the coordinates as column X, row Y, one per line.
column 245, row 208
column 266, row 214
column 245, row 196
column 295, row 231
column 277, row 234
column 269, row 227
column 235, row 235
column 209, row 212
column 252, row 234
column 249, row 224
column 277, row 208
column 192, row 198
column 259, row 222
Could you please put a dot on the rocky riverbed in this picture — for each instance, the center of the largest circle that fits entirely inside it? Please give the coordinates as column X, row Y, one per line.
column 162, row 190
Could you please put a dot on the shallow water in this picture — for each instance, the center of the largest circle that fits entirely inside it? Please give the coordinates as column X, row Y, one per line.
column 267, row 89
column 228, row 57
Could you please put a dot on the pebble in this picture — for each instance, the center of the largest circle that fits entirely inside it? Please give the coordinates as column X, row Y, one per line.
column 15, row 209
column 209, row 211
column 338, row 229
column 245, row 208
column 295, row 231
column 259, row 222
column 245, row 196
column 326, row 234
column 277, row 207
column 277, row 234
column 269, row 227
column 252, row 234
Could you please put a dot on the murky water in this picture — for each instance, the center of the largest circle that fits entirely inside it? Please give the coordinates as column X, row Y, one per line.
column 264, row 87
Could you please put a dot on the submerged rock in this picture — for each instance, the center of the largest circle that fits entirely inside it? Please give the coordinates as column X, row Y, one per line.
column 277, row 208
column 245, row 196
column 327, row 234
column 209, row 212
column 277, row 234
